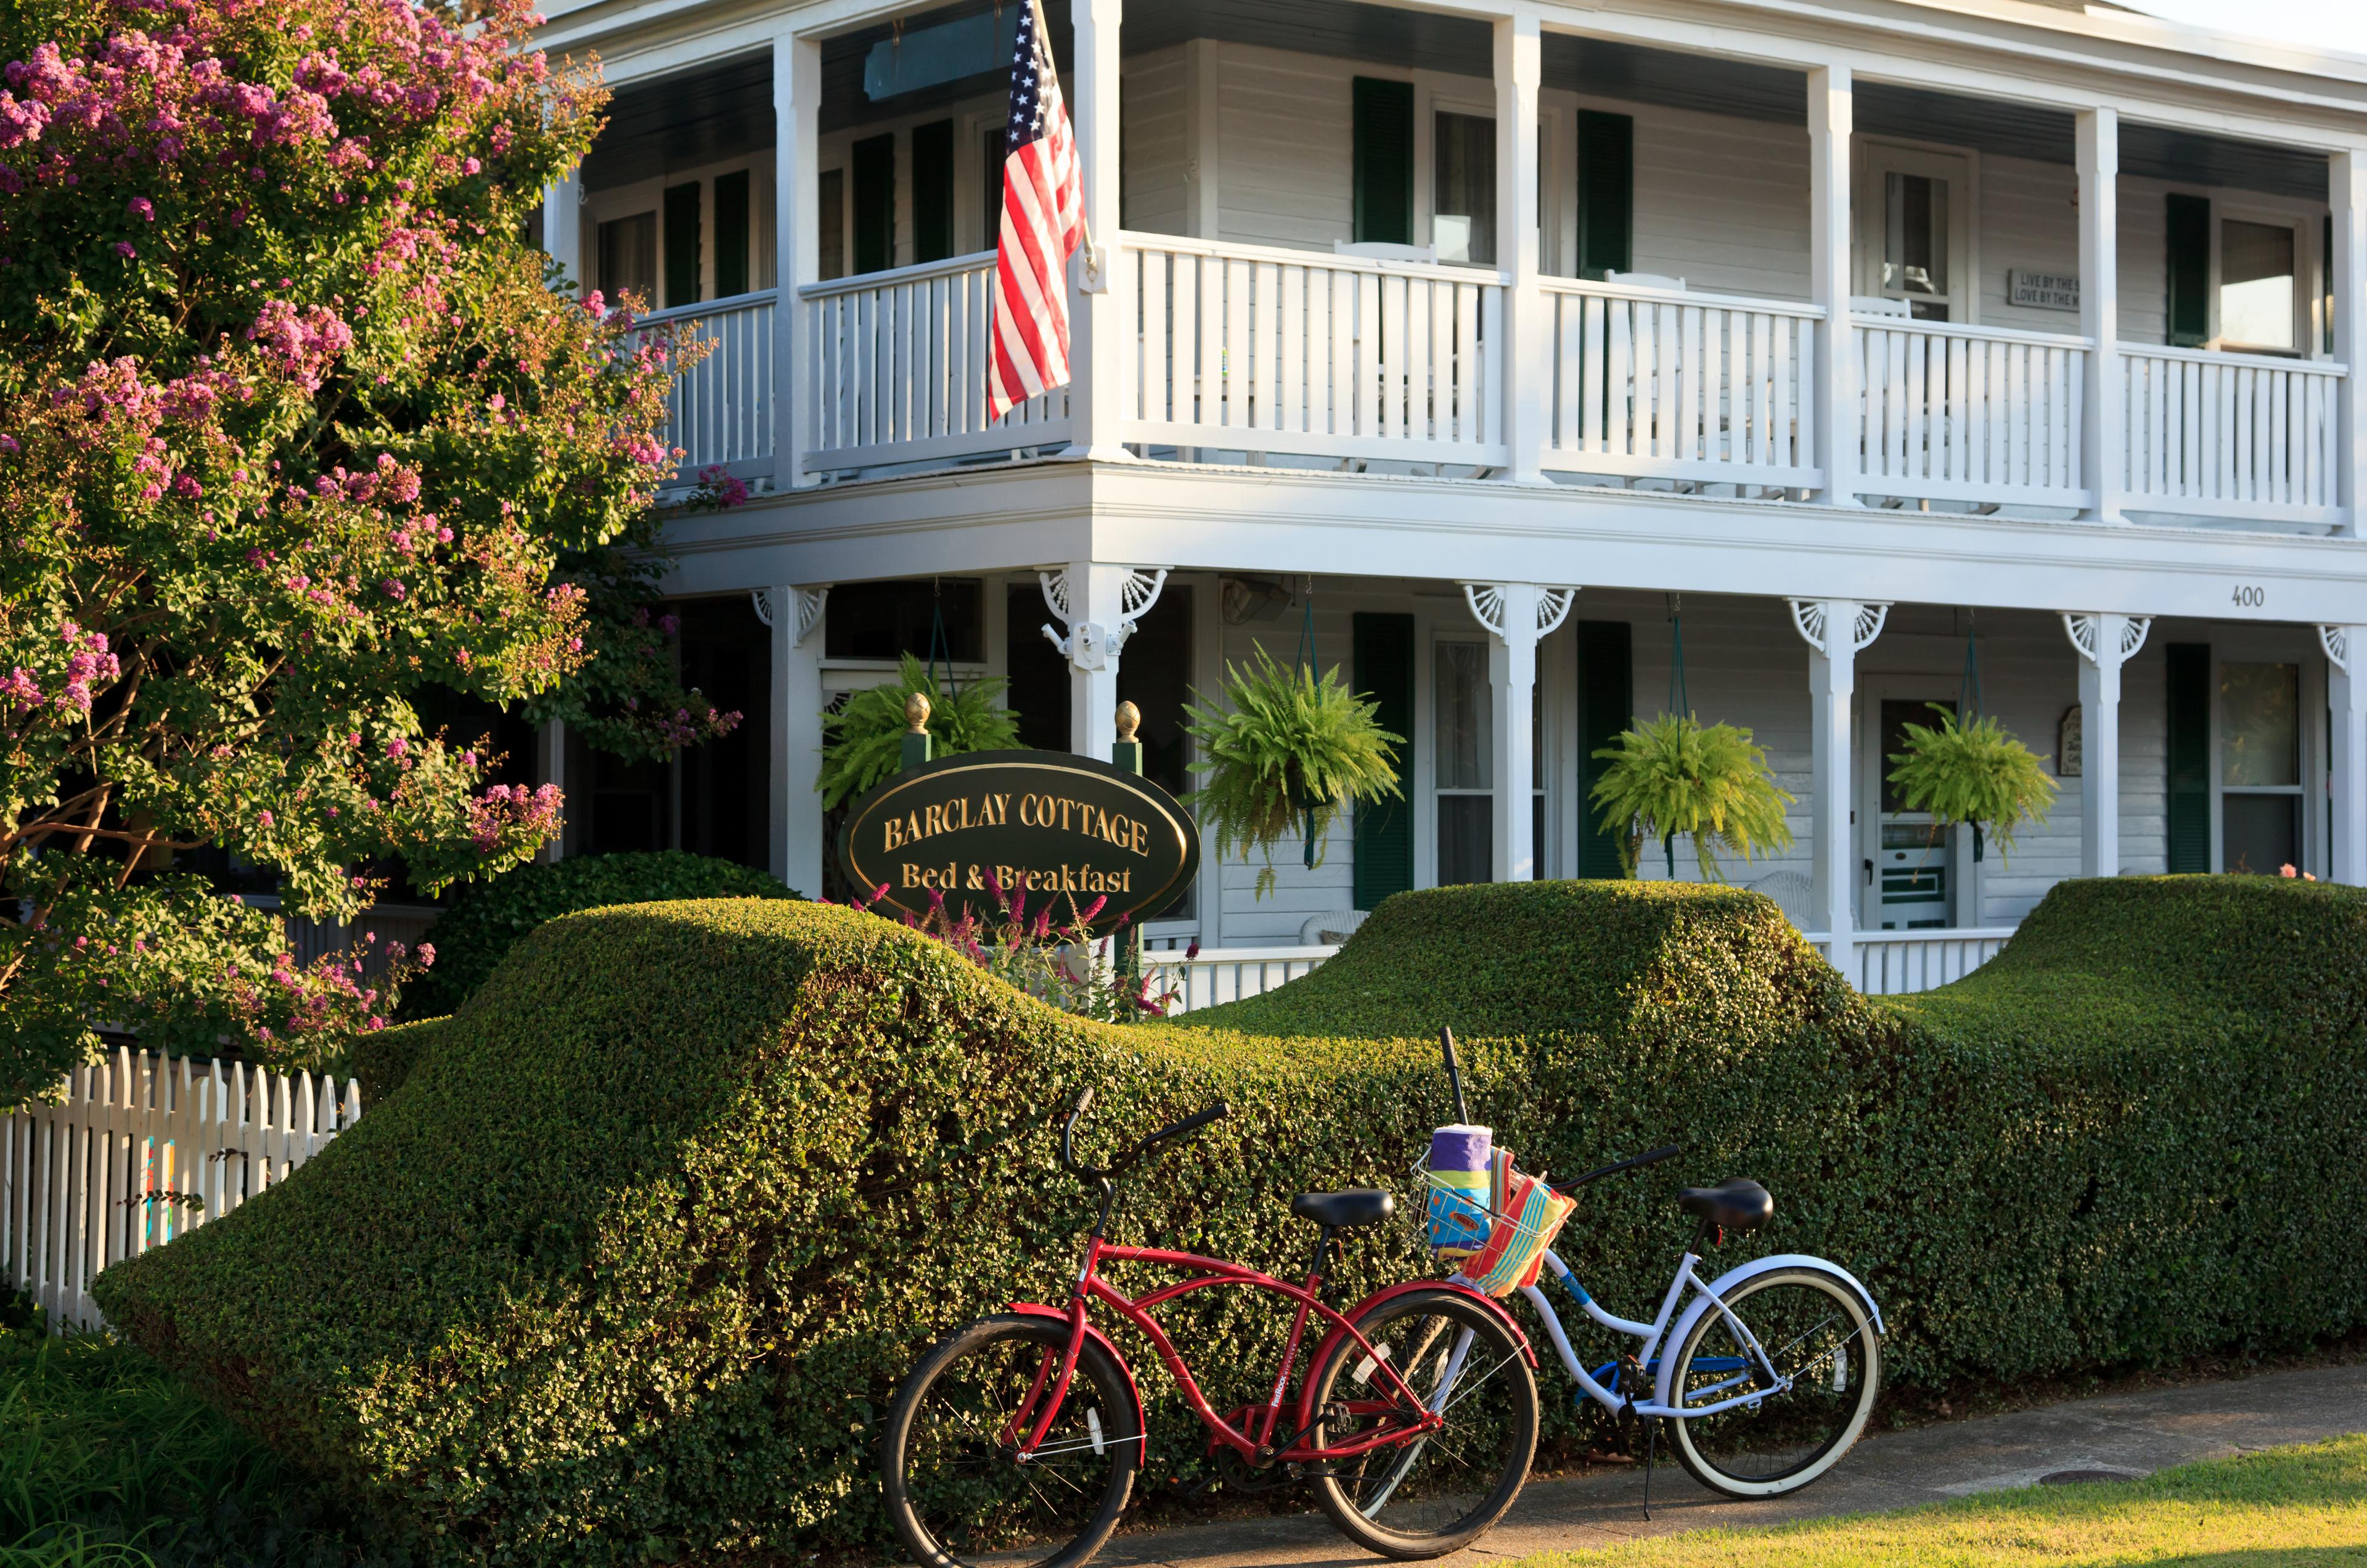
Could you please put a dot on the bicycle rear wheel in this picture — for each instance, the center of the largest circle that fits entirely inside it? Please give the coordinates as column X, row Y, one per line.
column 950, row 1462
column 1816, row 1332
column 1438, row 1492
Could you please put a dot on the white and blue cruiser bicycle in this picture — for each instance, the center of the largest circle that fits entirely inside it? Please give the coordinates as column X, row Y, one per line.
column 1765, row 1375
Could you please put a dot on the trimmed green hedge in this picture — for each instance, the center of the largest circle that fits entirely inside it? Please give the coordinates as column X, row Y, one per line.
column 488, row 919
column 629, row 1267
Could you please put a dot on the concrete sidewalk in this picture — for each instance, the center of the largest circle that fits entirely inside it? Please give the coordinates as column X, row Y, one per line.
column 2133, row 1434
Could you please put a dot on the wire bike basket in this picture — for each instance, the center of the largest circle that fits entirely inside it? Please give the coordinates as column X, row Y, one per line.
column 1485, row 1215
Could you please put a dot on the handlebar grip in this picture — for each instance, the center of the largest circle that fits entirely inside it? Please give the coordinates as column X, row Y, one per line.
column 1068, row 1133
column 1215, row 1113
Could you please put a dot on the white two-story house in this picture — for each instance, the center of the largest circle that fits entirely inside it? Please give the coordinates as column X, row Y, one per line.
column 1794, row 362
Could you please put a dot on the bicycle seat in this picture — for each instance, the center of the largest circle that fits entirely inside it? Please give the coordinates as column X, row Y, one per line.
column 1737, row 1205
column 1340, row 1210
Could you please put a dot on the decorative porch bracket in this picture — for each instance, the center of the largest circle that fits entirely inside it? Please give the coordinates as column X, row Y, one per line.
column 1098, row 606
column 2105, row 642
column 809, row 603
column 2346, row 700
column 1517, row 615
column 1835, row 630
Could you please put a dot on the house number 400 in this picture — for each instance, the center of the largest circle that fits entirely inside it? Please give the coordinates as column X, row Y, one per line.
column 2250, row 598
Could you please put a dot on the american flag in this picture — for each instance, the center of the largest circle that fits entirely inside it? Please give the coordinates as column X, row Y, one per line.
column 1043, row 222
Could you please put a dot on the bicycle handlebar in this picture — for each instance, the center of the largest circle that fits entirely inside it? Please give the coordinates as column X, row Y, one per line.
column 1123, row 1162
column 1638, row 1163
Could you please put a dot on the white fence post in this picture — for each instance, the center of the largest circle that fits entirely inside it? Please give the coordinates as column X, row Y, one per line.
column 133, row 1156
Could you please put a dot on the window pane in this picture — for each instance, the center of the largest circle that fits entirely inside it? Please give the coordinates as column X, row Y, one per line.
column 829, row 224
column 2259, row 726
column 1915, row 255
column 1466, row 829
column 1462, row 720
column 2256, row 284
column 628, row 257
column 2259, row 833
column 1463, row 220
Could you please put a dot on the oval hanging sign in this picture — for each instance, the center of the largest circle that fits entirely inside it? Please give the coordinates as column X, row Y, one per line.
column 1055, row 826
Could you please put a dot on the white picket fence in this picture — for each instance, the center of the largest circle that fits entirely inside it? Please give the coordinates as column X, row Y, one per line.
column 896, row 364
column 1662, row 383
column 1976, row 414
column 2237, row 436
column 1220, row 974
column 1898, row 964
column 1259, row 349
column 141, row 1150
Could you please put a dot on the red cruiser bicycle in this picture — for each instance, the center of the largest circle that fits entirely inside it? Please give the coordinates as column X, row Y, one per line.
column 1020, row 1435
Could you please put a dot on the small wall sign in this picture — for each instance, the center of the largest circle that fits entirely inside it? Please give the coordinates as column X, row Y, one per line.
column 2071, row 740
column 1063, row 828
column 2044, row 291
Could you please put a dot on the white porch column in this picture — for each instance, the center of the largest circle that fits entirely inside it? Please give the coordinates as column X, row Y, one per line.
column 2105, row 642
column 1831, row 97
column 2103, row 434
column 1526, row 330
column 797, row 249
column 1097, row 305
column 1835, row 630
column 562, row 226
column 1517, row 615
column 1097, row 605
column 2348, row 191
column 2346, row 695
column 796, row 817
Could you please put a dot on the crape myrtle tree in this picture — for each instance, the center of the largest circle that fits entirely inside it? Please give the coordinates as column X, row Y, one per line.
column 297, row 445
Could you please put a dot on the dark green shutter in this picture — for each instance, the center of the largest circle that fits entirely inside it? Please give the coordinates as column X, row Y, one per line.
column 1606, row 705
column 682, row 244
column 874, row 167
column 2190, row 757
column 1383, row 164
column 933, row 191
column 1384, row 673
column 2188, row 235
column 731, row 234
column 1606, row 194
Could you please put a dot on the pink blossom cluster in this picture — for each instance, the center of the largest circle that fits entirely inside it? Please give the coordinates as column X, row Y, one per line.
column 87, row 663
column 300, row 344
column 513, row 809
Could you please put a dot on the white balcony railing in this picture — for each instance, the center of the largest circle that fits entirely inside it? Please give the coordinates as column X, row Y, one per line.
column 2236, row 435
column 896, row 369
column 1657, row 383
column 720, row 410
column 1220, row 974
column 1244, row 348
column 1893, row 964
column 1973, row 415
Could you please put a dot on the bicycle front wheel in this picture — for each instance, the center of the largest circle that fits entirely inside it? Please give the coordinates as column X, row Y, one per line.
column 1432, row 1495
column 956, row 1487
column 1817, row 1337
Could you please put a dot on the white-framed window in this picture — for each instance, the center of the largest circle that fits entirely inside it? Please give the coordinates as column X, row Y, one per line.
column 2261, row 741
column 628, row 255
column 1463, row 188
column 1463, row 741
column 2262, row 302
column 1915, row 229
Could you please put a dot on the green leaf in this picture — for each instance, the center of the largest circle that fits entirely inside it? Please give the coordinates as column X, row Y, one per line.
column 1674, row 776
column 864, row 742
column 1975, row 772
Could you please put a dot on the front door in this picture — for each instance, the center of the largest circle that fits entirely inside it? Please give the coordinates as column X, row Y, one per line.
column 1915, row 230
column 1912, row 884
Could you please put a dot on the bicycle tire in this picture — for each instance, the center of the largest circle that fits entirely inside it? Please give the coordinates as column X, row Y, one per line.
column 1435, row 1507
column 1790, row 1439
column 948, row 1510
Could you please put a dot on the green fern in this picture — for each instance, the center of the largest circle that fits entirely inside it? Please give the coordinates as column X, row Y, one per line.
column 863, row 743
column 1975, row 772
column 1672, row 776
column 1289, row 749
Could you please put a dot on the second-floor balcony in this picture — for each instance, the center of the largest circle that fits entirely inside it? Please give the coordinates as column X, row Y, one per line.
column 1931, row 349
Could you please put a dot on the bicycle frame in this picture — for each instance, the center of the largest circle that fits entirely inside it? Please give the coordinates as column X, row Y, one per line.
column 1257, row 1447
column 1760, row 1383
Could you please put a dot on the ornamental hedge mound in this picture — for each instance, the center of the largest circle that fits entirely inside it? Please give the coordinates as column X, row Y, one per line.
column 628, row 1267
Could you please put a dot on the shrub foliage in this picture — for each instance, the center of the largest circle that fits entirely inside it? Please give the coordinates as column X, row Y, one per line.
column 629, row 1266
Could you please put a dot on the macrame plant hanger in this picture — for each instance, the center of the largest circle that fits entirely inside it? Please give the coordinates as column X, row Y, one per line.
column 1968, row 699
column 1303, row 664
column 1679, row 700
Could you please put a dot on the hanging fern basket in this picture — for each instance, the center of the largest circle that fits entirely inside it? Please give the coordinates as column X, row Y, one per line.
column 1674, row 774
column 1977, row 774
column 1283, row 751
column 863, row 743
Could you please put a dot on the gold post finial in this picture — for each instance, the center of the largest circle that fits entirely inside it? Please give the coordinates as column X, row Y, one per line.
column 916, row 712
column 1129, row 719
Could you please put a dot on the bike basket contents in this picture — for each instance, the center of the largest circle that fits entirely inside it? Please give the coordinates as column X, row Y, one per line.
column 1489, row 1218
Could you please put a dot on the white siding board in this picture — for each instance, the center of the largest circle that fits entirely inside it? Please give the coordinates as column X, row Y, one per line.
column 1155, row 128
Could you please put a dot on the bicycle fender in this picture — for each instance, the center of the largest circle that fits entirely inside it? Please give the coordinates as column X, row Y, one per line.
column 1664, row 1385
column 1037, row 1309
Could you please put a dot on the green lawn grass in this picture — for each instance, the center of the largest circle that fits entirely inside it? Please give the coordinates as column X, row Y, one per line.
column 106, row 1461
column 2282, row 1509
